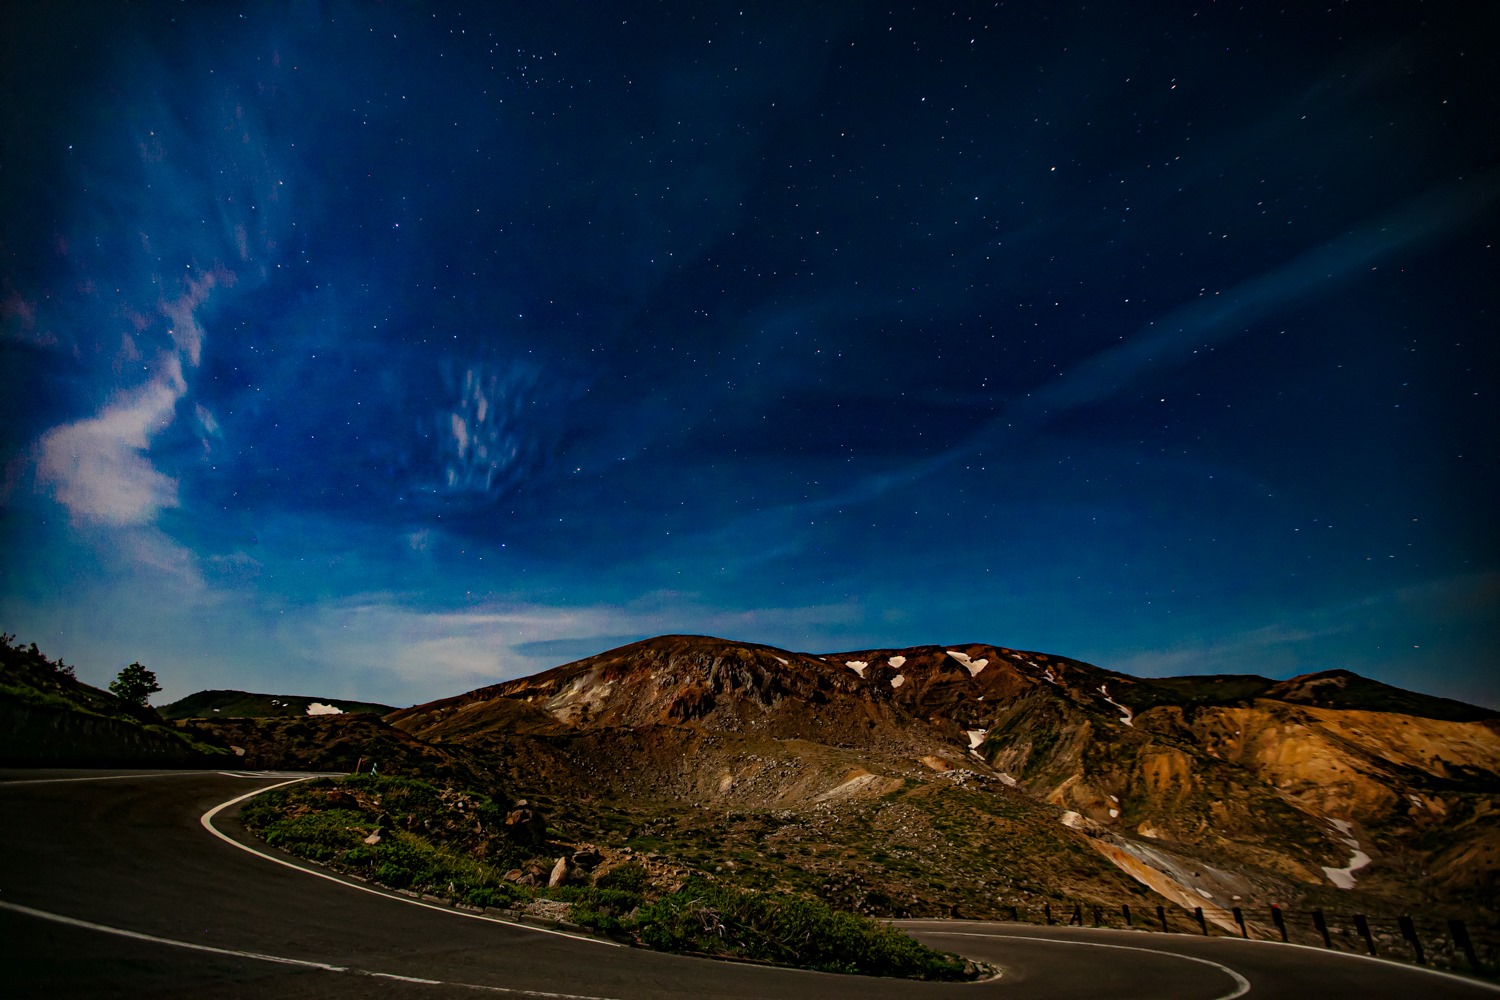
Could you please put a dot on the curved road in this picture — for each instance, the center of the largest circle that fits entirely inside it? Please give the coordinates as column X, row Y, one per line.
column 110, row 886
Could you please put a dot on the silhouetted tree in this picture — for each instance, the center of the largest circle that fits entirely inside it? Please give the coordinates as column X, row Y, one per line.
column 135, row 684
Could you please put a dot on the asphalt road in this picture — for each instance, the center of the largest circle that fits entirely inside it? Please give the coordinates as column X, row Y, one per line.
column 112, row 886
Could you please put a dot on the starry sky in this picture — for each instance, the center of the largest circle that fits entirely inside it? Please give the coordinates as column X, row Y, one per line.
column 384, row 350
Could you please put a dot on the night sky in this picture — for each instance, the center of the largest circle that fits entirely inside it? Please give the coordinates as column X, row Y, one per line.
column 386, row 350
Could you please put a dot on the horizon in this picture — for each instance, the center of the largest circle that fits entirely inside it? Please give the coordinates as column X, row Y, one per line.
column 384, row 351
column 163, row 702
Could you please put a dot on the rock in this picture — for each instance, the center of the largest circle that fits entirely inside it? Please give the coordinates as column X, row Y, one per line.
column 560, row 873
column 587, row 859
column 514, row 875
column 373, row 838
column 525, row 825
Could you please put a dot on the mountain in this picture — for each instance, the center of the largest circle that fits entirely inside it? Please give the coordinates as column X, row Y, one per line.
column 246, row 705
column 913, row 780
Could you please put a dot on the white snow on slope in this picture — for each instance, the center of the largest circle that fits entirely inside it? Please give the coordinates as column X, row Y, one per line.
column 897, row 661
column 976, row 737
column 318, row 708
column 1129, row 717
column 898, row 680
column 1344, row 877
column 781, row 661
column 858, row 666
column 973, row 666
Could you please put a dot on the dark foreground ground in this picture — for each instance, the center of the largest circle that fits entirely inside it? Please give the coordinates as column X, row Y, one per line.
column 112, row 886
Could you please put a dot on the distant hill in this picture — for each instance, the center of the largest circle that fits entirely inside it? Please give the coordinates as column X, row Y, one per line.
column 249, row 705
column 50, row 718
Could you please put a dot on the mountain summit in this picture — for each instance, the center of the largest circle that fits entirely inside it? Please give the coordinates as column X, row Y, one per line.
column 1008, row 768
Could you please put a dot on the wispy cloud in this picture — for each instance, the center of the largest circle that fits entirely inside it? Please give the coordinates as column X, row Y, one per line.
column 428, row 654
column 99, row 467
column 1342, row 634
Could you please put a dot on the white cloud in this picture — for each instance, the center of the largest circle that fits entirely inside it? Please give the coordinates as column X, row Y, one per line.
column 98, row 467
column 433, row 654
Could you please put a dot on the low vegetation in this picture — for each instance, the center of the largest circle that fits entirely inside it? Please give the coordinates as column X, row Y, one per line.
column 474, row 850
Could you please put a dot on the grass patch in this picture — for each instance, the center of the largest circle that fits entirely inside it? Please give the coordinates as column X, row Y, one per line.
column 410, row 834
column 718, row 920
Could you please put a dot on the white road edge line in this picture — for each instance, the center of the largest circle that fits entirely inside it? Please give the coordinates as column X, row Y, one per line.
column 152, row 774
column 1242, row 985
column 99, row 777
column 207, row 821
column 278, row 959
column 1457, row 977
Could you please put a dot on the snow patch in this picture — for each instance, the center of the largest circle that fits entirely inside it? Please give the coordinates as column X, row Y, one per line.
column 1129, row 717
column 781, row 661
column 1203, row 892
column 858, row 666
column 1007, row 780
column 973, row 666
column 897, row 661
column 1344, row 877
column 898, row 680
column 318, row 708
column 1071, row 819
column 1114, row 814
column 976, row 737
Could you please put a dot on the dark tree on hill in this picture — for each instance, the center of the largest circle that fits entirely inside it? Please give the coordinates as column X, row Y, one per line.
column 135, row 684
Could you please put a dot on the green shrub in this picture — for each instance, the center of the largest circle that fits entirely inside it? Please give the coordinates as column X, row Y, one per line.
column 629, row 877
column 319, row 836
column 807, row 933
column 502, row 895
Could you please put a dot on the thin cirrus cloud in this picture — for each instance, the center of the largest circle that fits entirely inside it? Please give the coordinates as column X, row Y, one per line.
column 99, row 467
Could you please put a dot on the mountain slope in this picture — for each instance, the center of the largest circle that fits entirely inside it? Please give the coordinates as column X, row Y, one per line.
column 999, row 774
column 247, row 705
column 50, row 718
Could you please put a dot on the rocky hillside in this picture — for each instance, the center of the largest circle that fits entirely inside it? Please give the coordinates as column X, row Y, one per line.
column 912, row 780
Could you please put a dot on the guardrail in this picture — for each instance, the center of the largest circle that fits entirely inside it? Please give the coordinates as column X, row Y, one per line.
column 1424, row 939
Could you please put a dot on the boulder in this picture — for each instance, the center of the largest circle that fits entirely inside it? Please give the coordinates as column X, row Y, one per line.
column 560, row 873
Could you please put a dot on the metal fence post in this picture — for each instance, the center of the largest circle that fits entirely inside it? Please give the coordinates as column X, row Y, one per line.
column 1125, row 909
column 1279, row 920
column 1161, row 914
column 1461, row 940
column 1239, row 918
column 1047, row 912
column 1363, row 926
column 1202, row 924
column 1409, row 931
column 1322, row 926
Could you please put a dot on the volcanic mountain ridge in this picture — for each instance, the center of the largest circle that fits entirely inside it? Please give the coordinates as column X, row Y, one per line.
column 994, row 775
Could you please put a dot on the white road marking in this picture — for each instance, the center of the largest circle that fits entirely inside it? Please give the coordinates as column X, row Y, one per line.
column 163, row 774
column 100, row 777
column 1242, row 985
column 916, row 923
column 279, row 959
column 207, row 821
